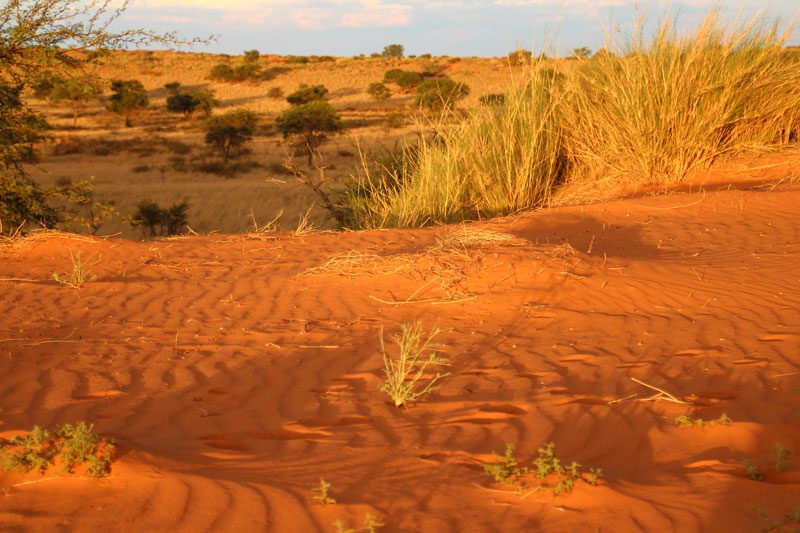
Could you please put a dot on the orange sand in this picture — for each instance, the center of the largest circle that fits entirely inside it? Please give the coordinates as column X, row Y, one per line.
column 233, row 381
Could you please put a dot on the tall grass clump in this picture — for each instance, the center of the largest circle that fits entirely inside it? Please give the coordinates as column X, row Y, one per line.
column 498, row 160
column 649, row 109
column 678, row 100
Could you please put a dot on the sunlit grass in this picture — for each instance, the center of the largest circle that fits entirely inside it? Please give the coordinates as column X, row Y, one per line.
column 667, row 103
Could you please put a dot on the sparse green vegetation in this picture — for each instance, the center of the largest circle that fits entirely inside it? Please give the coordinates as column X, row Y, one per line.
column 793, row 517
column 73, row 445
column 781, row 463
column 324, row 496
column 506, row 469
column 687, row 421
column 751, row 470
column 370, row 525
column 404, row 375
column 781, row 455
column 79, row 275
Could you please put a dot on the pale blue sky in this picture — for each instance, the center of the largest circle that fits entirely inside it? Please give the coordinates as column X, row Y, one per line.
column 448, row 27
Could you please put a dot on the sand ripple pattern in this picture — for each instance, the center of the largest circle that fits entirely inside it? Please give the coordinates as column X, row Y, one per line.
column 233, row 382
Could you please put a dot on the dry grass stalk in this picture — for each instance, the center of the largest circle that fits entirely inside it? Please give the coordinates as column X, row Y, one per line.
column 354, row 264
column 465, row 237
column 17, row 238
column 304, row 226
column 443, row 266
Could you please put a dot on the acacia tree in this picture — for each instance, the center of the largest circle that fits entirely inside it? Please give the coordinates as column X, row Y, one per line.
column 128, row 97
column 393, row 50
column 36, row 36
column 311, row 122
column 75, row 93
column 229, row 131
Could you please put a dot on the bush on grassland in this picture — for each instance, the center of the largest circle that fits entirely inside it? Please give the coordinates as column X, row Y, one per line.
column 439, row 93
column 230, row 131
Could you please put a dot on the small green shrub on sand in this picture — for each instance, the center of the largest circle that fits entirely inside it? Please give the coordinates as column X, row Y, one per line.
column 80, row 273
column 793, row 517
column 324, row 497
column 507, row 470
column 781, row 463
column 370, row 525
column 404, row 375
column 73, row 445
column 686, row 421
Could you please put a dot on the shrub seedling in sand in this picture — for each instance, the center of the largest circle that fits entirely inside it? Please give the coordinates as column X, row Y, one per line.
column 80, row 273
column 685, row 421
column 794, row 516
column 547, row 463
column 404, row 373
column 81, row 446
column 324, row 498
column 370, row 525
column 35, row 453
column 73, row 445
column 506, row 467
column 781, row 454
column 751, row 470
column 781, row 464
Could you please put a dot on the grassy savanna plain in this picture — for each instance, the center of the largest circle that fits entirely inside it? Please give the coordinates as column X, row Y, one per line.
column 632, row 345
column 156, row 159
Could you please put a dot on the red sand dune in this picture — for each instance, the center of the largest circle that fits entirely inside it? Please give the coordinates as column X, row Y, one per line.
column 233, row 379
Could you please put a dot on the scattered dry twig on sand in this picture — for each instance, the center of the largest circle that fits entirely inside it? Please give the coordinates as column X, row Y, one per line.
column 443, row 265
column 660, row 395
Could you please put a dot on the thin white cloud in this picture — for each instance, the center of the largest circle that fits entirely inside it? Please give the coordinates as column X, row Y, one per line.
column 387, row 16
column 452, row 5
